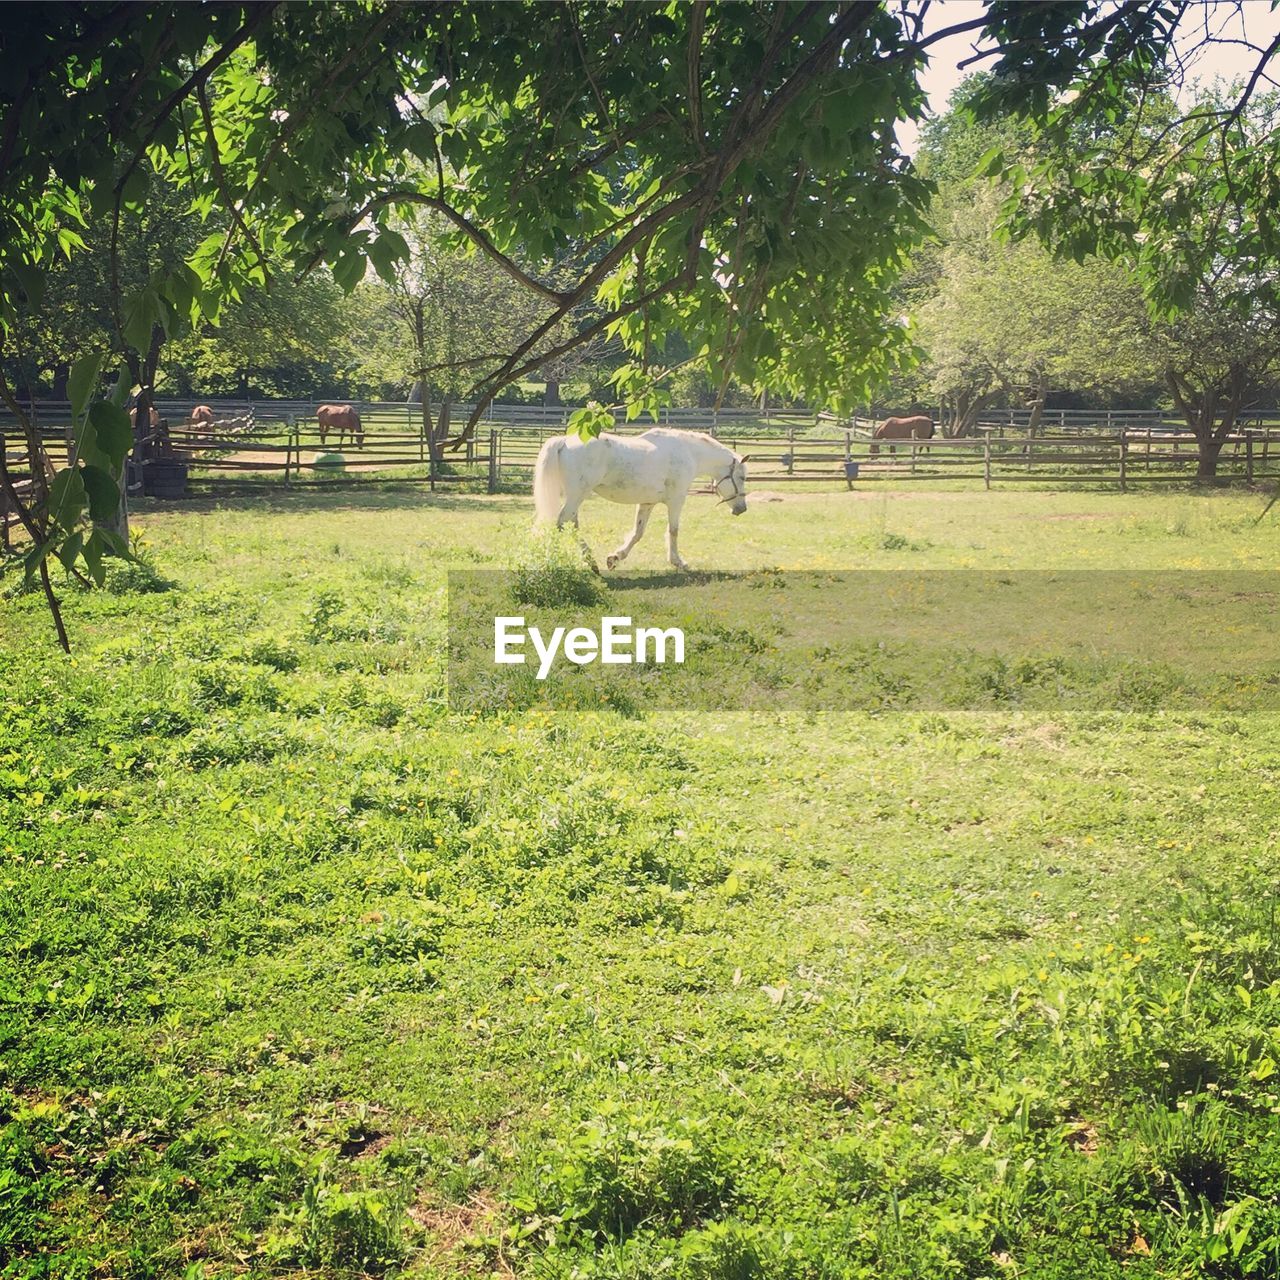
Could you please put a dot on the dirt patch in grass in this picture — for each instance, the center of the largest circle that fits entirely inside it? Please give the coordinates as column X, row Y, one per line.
column 451, row 1226
column 1082, row 1138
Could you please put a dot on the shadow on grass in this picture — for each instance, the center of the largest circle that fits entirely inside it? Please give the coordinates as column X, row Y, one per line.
column 666, row 579
column 388, row 497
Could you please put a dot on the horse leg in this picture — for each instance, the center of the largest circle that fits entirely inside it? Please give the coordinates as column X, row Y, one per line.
column 643, row 512
column 673, row 532
column 574, row 497
column 569, row 515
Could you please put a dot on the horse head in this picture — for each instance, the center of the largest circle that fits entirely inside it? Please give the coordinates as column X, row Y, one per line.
column 732, row 487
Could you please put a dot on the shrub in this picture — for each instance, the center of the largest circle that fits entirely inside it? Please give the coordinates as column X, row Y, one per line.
column 270, row 651
column 557, row 571
column 626, row 1168
column 360, row 1230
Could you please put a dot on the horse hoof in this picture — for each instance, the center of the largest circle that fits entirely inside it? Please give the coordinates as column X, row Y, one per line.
column 610, row 562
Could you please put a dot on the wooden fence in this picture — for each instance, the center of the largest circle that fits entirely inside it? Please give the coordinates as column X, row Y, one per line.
column 249, row 447
column 852, row 458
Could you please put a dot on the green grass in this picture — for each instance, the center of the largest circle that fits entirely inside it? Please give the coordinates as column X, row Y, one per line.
column 299, row 971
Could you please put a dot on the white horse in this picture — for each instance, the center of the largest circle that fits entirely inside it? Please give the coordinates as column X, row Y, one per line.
column 658, row 466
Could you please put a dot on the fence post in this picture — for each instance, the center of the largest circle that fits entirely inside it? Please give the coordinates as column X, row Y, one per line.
column 1248, row 455
column 986, row 461
column 288, row 449
column 1124, row 458
column 493, row 459
column 791, row 450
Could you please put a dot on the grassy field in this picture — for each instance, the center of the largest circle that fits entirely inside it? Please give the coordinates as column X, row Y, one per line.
column 302, row 972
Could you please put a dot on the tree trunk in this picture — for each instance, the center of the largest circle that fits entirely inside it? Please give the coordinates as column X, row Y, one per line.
column 429, row 427
column 445, row 417
column 143, row 372
column 1210, row 416
column 1209, row 452
column 61, row 376
column 961, row 414
column 552, row 396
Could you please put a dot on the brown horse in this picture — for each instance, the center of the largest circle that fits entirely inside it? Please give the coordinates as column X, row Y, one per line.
column 155, row 417
column 917, row 428
column 341, row 418
column 202, row 416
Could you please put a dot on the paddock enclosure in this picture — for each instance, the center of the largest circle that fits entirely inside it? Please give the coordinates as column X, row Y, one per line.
column 250, row 444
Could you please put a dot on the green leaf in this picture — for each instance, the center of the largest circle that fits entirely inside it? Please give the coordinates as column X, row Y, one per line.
column 135, row 187
column 141, row 312
column 69, row 240
column 387, row 250
column 589, row 422
column 34, row 558
column 70, row 549
column 32, row 281
column 992, row 163
column 114, row 543
column 123, row 388
column 66, row 497
column 83, row 379
column 112, row 428
column 93, row 558
column 103, row 493
column 348, row 270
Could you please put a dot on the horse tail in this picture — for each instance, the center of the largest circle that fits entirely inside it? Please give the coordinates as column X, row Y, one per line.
column 548, row 481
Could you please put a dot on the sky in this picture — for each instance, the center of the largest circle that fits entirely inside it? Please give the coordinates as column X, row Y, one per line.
column 1254, row 20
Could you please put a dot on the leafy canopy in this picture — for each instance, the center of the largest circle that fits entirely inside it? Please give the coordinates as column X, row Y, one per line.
column 724, row 173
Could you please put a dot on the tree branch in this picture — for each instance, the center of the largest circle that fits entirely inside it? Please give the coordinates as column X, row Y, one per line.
column 465, row 225
column 257, row 13
column 220, row 181
column 697, row 24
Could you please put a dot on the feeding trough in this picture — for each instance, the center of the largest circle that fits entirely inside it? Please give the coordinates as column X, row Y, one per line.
column 164, row 478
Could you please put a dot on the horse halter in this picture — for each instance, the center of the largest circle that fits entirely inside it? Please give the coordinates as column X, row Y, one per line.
column 738, row 490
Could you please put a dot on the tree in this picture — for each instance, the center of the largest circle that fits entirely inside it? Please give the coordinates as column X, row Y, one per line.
column 1007, row 319
column 457, row 311
column 295, row 337
column 1187, row 202
column 1216, row 362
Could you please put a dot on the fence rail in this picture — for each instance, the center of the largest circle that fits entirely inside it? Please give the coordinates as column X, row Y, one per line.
column 1123, row 458
column 245, row 451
